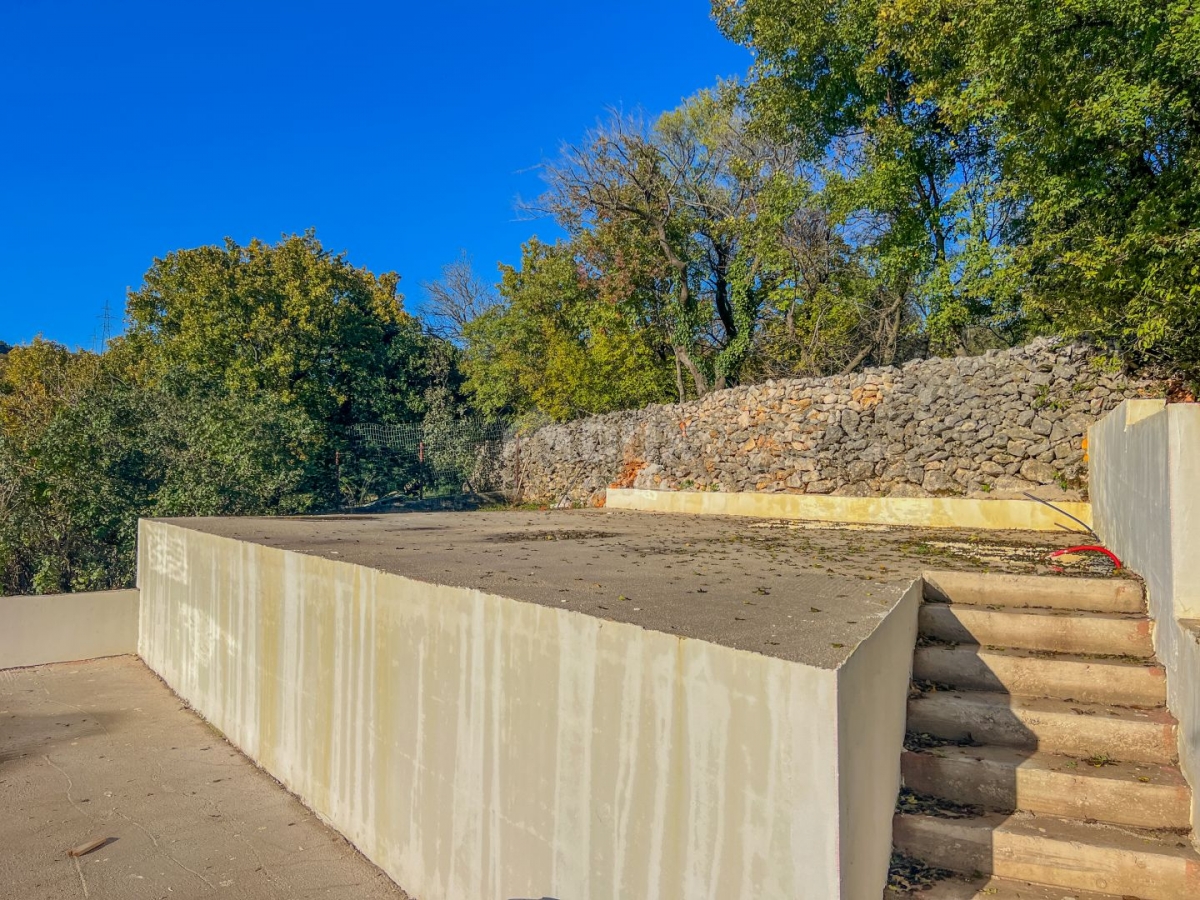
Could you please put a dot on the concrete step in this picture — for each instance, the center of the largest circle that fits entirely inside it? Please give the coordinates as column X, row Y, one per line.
column 1059, row 631
column 1005, row 779
column 992, row 589
column 1056, row 852
column 1032, row 674
column 1068, row 728
column 964, row 888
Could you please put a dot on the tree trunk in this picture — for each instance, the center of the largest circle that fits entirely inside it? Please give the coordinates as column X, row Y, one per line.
column 681, row 355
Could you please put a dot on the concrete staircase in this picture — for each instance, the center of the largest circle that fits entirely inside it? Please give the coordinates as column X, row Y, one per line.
column 1041, row 760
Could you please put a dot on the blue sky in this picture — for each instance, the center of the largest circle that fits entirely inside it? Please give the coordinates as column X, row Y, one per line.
column 402, row 132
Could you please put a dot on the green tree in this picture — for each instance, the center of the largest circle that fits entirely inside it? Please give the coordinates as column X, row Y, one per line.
column 1009, row 165
column 1095, row 108
column 230, row 395
column 290, row 324
column 696, row 203
column 854, row 84
column 554, row 345
column 292, row 320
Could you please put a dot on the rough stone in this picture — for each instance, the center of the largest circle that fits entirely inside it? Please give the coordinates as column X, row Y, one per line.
column 1040, row 472
column 944, row 426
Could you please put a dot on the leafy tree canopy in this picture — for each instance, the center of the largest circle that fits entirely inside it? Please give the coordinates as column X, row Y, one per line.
column 1024, row 165
column 292, row 320
column 229, row 394
column 555, row 346
column 701, row 253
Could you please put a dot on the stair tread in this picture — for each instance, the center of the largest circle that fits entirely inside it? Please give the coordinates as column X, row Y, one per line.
column 1048, row 591
column 1074, row 831
column 1110, row 634
column 1050, row 705
column 1042, row 611
column 1050, row 656
column 1156, row 774
column 1000, row 889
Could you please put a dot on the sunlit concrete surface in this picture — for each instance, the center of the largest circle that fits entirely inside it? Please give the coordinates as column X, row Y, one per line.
column 576, row 705
column 922, row 512
column 804, row 591
column 104, row 750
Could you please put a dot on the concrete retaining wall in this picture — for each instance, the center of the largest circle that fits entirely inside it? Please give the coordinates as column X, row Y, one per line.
column 1145, row 475
column 50, row 628
column 475, row 746
column 927, row 512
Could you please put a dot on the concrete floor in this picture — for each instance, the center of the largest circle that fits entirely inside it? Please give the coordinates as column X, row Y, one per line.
column 798, row 591
column 103, row 749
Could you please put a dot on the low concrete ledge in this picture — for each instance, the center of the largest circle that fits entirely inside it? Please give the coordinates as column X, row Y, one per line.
column 929, row 512
column 51, row 628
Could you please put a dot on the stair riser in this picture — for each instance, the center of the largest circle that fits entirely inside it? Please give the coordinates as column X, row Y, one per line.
column 1059, row 634
column 992, row 589
column 970, row 669
column 1044, row 860
column 1070, row 735
column 1076, row 796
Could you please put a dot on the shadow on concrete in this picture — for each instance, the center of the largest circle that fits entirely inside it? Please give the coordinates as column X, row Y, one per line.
column 963, row 747
column 32, row 735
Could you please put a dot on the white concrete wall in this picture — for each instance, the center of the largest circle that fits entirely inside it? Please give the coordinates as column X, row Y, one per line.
column 50, row 628
column 1145, row 486
column 872, row 713
column 477, row 747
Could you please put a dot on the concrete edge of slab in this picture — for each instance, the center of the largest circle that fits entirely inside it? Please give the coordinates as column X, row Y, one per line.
column 927, row 512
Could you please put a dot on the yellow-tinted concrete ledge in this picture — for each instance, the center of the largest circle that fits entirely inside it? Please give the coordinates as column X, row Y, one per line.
column 930, row 512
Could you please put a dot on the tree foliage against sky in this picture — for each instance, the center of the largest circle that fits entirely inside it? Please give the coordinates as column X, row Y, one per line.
column 1028, row 164
column 702, row 251
column 894, row 178
column 228, row 395
column 555, row 346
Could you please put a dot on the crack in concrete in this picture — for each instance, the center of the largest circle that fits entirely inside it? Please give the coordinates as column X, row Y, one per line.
column 82, row 880
column 70, row 785
column 154, row 841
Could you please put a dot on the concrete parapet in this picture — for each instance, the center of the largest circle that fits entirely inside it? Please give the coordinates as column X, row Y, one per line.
column 51, row 628
column 477, row 746
column 1145, row 481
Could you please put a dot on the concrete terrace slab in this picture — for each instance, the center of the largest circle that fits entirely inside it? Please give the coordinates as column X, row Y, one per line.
column 806, row 592
column 104, row 749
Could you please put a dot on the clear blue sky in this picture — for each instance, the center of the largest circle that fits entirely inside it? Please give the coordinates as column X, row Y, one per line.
column 402, row 132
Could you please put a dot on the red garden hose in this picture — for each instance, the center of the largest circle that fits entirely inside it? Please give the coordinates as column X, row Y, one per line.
column 1094, row 548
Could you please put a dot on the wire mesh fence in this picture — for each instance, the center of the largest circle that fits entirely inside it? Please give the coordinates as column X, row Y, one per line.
column 430, row 459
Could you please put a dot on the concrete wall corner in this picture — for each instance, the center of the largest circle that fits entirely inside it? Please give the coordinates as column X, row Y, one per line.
column 872, row 692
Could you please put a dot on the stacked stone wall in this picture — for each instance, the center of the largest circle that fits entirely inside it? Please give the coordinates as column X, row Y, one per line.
column 993, row 426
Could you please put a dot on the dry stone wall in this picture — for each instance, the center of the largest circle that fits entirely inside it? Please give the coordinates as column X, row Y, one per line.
column 992, row 426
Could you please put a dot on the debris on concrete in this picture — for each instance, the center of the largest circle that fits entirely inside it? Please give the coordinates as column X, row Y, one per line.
column 85, row 849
